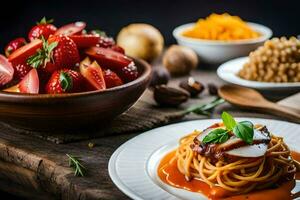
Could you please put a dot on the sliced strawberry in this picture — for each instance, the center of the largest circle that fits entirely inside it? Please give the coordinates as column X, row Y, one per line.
column 30, row 83
column 21, row 54
column 21, row 70
column 14, row 88
column 85, row 41
column 65, row 81
column 108, row 58
column 71, row 29
column 6, row 71
column 118, row 49
column 111, row 79
column 106, row 42
column 43, row 28
column 115, row 61
column 14, row 45
column 93, row 74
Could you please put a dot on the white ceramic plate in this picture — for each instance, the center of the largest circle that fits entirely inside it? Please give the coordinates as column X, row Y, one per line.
column 133, row 166
column 228, row 72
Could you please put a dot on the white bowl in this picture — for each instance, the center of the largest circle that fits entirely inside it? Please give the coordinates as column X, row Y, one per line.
column 216, row 52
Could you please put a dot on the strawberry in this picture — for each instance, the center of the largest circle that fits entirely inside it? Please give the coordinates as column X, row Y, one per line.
column 65, row 81
column 86, row 40
column 6, row 71
column 117, row 49
column 21, row 70
column 115, row 61
column 30, row 83
column 71, row 29
column 14, row 45
column 111, row 79
column 57, row 53
column 104, row 41
column 43, row 28
column 107, row 42
column 129, row 72
column 21, row 54
column 93, row 73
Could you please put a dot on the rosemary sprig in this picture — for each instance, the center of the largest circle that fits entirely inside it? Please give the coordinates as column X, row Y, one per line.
column 74, row 162
column 203, row 109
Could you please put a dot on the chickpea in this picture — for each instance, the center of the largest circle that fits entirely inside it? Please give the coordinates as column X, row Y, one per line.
column 278, row 60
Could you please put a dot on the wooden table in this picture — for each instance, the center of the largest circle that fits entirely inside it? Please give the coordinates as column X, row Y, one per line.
column 35, row 168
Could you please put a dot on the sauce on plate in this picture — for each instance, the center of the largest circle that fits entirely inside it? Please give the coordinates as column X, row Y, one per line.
column 169, row 174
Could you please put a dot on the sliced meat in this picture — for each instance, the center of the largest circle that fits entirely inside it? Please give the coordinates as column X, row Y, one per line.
column 249, row 151
column 234, row 147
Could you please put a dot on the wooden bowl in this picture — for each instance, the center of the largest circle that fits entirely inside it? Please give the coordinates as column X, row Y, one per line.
column 46, row 112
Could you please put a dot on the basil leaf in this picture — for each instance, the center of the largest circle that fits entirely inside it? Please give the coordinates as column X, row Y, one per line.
column 223, row 138
column 216, row 136
column 245, row 131
column 228, row 121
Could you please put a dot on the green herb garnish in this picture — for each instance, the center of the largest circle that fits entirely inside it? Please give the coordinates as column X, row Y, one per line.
column 203, row 109
column 74, row 162
column 243, row 130
column 216, row 136
column 228, row 121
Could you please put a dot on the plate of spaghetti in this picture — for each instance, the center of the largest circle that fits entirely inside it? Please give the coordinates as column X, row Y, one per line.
column 227, row 158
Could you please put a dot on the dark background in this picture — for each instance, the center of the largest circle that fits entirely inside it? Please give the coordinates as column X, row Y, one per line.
column 17, row 17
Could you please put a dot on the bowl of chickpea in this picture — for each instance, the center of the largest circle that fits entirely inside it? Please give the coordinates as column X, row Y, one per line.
column 274, row 66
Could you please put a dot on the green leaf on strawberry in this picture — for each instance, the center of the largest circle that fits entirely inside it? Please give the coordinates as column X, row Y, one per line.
column 66, row 81
column 43, row 55
column 45, row 21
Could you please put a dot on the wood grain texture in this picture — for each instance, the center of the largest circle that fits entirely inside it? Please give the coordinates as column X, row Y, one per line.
column 41, row 167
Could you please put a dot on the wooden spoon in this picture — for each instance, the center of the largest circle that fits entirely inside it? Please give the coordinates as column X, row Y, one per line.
column 249, row 98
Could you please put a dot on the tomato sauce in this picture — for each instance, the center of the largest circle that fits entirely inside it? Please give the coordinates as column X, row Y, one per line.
column 169, row 174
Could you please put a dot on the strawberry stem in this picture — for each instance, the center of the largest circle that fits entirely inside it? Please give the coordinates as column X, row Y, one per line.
column 45, row 21
column 42, row 56
column 66, row 82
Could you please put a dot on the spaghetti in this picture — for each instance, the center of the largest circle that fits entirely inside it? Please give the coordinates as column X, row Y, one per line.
column 240, row 176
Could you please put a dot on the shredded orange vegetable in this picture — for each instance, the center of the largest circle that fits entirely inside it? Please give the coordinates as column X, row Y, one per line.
column 221, row 27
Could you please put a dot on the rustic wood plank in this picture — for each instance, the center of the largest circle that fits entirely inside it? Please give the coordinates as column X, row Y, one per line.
column 46, row 165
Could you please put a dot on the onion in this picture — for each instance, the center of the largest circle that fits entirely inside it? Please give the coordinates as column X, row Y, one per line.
column 141, row 41
column 180, row 60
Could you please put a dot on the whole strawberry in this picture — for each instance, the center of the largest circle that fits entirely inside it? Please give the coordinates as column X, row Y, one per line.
column 57, row 53
column 14, row 45
column 43, row 28
column 111, row 79
column 65, row 81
